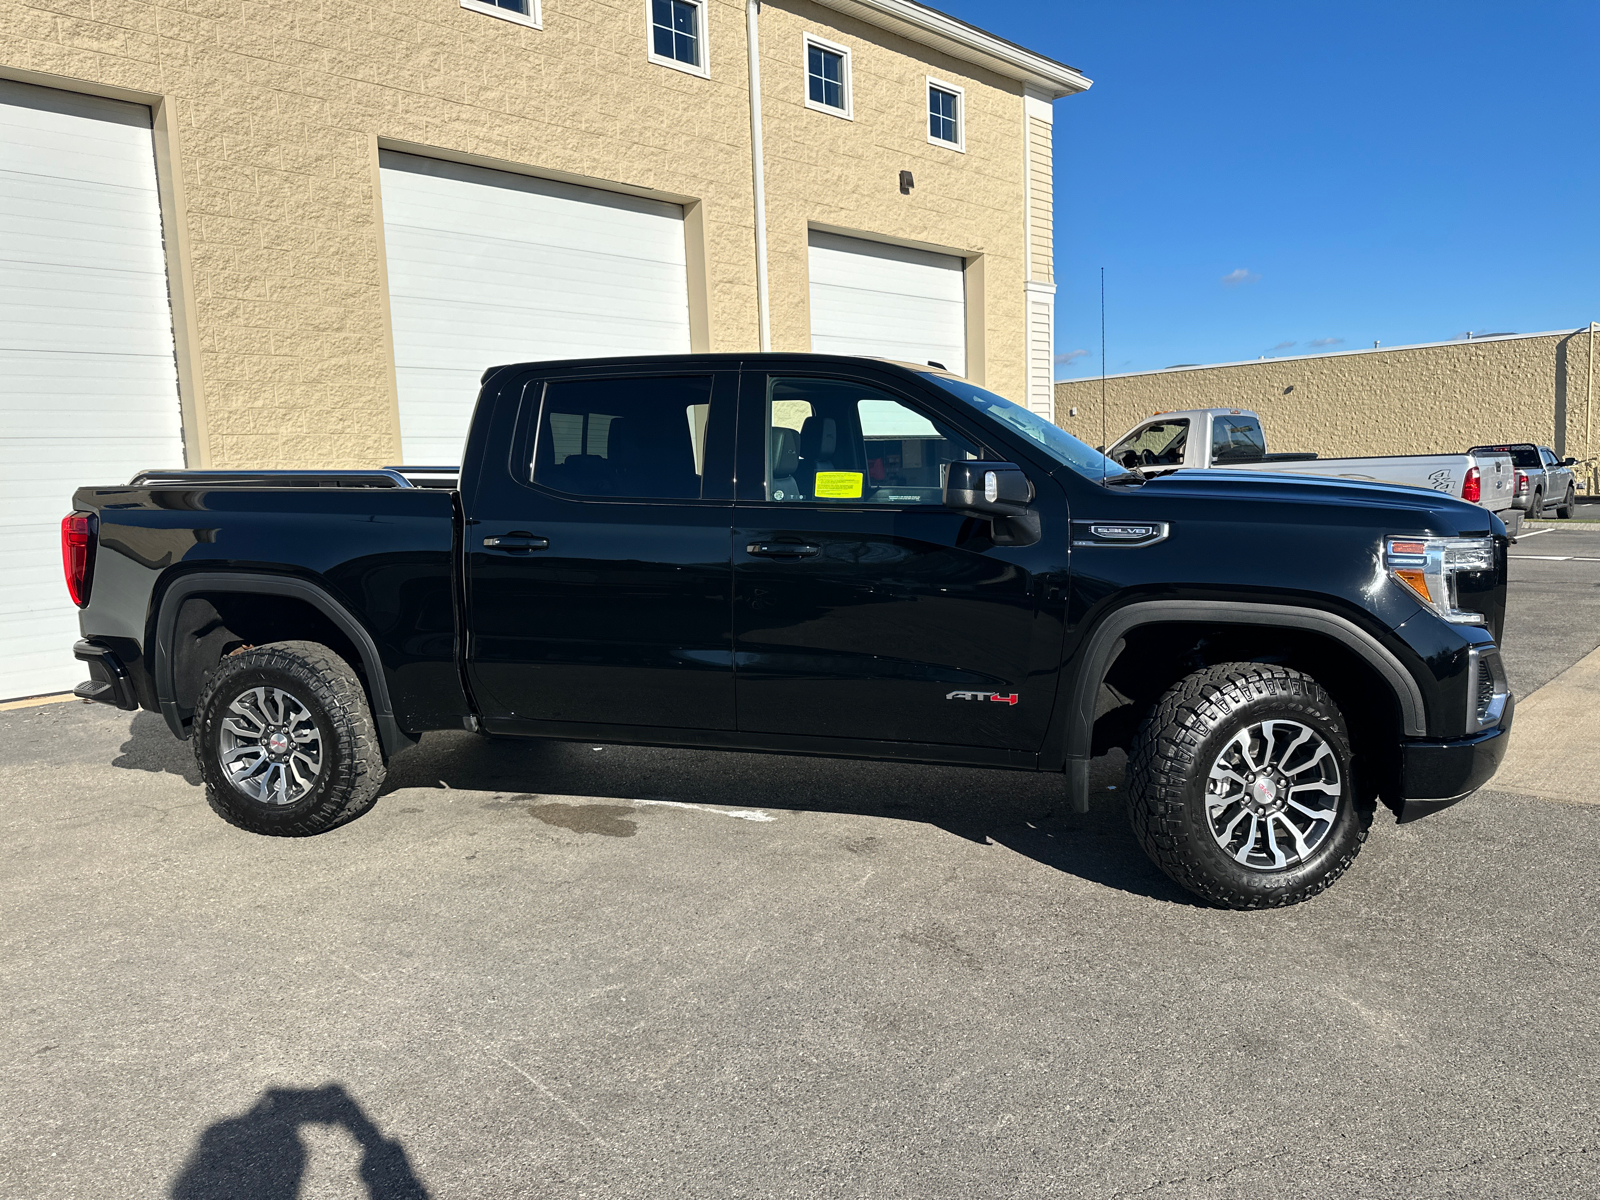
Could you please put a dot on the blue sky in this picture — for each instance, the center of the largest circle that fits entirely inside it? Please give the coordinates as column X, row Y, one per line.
column 1271, row 179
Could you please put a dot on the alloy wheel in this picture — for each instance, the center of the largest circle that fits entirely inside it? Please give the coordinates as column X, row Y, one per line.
column 271, row 747
column 1273, row 794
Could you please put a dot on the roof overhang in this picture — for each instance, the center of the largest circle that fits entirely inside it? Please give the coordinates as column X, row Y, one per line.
column 968, row 43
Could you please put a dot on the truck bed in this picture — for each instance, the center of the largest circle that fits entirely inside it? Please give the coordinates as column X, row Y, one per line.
column 183, row 554
column 1435, row 472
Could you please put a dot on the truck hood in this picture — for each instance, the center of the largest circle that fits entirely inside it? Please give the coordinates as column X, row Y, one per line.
column 1393, row 507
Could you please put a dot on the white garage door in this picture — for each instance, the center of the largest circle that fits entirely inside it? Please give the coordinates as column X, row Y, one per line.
column 888, row 301
column 487, row 267
column 88, row 384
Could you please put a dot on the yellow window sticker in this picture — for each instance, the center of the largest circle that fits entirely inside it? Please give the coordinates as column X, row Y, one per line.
column 839, row 485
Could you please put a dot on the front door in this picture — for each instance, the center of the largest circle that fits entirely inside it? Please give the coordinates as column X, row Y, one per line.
column 598, row 578
column 863, row 608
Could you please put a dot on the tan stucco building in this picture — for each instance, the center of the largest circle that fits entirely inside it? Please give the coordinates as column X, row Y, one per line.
column 1436, row 398
column 271, row 123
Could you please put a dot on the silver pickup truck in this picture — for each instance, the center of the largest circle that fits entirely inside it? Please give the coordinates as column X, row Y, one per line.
column 1542, row 479
column 1232, row 439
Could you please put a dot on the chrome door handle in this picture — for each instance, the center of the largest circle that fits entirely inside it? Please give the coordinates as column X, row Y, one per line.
column 783, row 549
column 516, row 542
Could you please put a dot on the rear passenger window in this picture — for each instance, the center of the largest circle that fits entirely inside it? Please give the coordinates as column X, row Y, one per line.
column 638, row 438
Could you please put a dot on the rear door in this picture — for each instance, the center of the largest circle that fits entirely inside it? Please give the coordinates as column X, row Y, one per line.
column 863, row 608
column 598, row 580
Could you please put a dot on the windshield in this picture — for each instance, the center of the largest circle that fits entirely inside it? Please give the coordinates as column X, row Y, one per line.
column 1054, row 440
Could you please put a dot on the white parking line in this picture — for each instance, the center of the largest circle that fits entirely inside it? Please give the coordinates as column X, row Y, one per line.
column 1554, row 557
column 744, row 814
column 1535, row 533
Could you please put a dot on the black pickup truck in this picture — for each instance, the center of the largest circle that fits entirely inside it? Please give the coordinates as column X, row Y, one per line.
column 821, row 555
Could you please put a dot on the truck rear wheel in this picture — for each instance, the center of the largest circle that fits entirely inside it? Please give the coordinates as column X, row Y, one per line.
column 1240, row 787
column 285, row 741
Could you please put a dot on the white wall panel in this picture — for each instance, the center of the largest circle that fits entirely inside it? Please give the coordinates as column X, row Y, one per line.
column 488, row 267
column 88, row 383
column 887, row 301
column 1041, row 299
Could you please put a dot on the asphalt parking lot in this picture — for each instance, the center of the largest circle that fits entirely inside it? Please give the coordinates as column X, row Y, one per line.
column 559, row 971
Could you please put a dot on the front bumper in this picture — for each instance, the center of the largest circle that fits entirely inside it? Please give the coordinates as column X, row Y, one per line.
column 1434, row 775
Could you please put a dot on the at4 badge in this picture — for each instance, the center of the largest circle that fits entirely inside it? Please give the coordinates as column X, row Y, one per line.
column 997, row 697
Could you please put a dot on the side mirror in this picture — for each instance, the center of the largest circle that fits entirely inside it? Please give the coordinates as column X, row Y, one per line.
column 1569, row 462
column 997, row 491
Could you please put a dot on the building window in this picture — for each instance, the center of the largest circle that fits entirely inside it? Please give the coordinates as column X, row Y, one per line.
column 945, row 102
column 827, row 77
column 523, row 12
column 678, row 34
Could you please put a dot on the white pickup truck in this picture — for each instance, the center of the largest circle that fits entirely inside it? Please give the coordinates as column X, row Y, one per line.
column 1231, row 439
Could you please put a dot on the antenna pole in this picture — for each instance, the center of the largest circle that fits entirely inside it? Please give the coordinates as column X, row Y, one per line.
column 1102, row 376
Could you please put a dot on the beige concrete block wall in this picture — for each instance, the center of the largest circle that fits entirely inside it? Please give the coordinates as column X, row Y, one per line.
column 277, row 108
column 1421, row 400
column 845, row 174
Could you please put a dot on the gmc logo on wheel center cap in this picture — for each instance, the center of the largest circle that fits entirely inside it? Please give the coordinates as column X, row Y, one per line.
column 997, row 697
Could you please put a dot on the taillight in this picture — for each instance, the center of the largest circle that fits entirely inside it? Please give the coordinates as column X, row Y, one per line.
column 77, row 554
column 1472, row 486
column 1522, row 484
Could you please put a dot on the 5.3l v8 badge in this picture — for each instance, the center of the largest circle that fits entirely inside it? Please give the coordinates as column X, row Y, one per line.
column 997, row 697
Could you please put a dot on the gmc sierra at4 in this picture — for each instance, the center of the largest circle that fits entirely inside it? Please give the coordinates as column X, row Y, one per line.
column 820, row 555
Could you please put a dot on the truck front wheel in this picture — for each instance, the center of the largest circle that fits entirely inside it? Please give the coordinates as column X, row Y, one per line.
column 285, row 741
column 1240, row 786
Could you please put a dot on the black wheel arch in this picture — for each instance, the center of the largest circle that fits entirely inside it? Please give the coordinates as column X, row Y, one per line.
column 176, row 687
column 1072, row 740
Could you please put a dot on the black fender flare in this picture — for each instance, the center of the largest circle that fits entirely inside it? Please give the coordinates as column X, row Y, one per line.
column 1104, row 642
column 393, row 738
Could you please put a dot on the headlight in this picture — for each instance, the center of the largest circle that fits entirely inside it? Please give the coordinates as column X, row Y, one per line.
column 1428, row 568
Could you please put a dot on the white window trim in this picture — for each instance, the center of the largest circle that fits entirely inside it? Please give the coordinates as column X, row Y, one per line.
column 808, row 40
column 661, row 60
column 960, row 93
column 534, row 19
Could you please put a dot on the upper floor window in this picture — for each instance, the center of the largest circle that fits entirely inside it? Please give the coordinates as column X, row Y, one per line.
column 945, row 102
column 523, row 12
column 827, row 77
column 678, row 34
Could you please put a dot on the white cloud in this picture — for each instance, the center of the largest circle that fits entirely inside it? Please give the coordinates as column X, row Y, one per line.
column 1324, row 341
column 1070, row 357
column 1235, row 277
column 1283, row 345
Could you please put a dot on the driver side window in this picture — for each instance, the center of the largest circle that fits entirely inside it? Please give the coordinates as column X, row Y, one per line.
column 1157, row 445
column 832, row 440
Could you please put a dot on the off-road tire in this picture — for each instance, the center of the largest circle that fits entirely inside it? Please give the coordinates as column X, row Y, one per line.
column 1565, row 510
column 352, row 770
column 1536, row 507
column 1169, row 765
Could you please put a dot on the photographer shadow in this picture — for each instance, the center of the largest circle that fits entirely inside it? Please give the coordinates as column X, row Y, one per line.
column 260, row 1155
